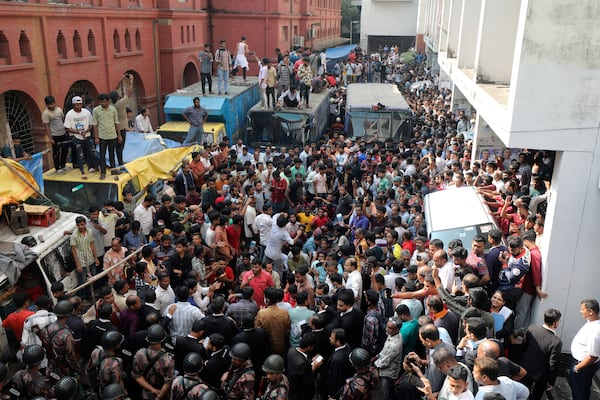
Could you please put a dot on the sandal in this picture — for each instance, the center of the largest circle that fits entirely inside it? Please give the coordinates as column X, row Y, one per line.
column 83, row 176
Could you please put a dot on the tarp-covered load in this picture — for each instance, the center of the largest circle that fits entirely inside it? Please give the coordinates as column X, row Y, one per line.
column 16, row 183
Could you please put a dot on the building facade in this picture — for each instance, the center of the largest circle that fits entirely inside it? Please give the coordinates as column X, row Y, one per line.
column 388, row 22
column 85, row 47
column 530, row 68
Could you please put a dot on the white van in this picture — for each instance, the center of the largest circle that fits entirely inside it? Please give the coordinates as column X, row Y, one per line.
column 457, row 214
column 53, row 250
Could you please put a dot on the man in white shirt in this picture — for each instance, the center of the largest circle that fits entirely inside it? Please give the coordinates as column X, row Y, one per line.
column 38, row 321
column 182, row 314
column 263, row 225
column 354, row 281
column 144, row 213
column 585, row 350
column 446, row 269
column 278, row 236
column 250, row 217
column 142, row 122
column 244, row 155
column 165, row 295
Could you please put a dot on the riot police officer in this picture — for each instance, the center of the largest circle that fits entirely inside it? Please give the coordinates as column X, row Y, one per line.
column 238, row 382
column 59, row 339
column 105, row 366
column 112, row 392
column 153, row 367
column 360, row 386
column 30, row 382
column 189, row 386
column 278, row 386
column 66, row 388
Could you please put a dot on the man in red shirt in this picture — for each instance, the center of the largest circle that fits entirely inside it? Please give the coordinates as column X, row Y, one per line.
column 531, row 285
column 259, row 280
column 16, row 319
column 278, row 188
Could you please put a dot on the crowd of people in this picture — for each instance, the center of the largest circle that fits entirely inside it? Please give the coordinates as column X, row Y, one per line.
column 307, row 273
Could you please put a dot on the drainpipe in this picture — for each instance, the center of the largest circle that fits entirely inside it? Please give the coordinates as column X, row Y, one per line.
column 159, row 107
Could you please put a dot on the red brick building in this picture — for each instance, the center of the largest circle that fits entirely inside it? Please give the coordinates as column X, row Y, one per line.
column 67, row 47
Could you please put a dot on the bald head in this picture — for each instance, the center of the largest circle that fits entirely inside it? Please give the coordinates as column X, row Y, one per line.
column 489, row 348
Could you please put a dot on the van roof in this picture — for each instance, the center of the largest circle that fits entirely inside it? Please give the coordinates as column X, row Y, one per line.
column 365, row 95
column 455, row 208
column 50, row 235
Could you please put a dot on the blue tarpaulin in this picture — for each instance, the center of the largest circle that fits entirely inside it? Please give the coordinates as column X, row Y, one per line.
column 35, row 168
column 338, row 53
column 141, row 144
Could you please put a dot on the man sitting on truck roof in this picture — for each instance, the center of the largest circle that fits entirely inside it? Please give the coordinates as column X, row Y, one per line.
column 289, row 99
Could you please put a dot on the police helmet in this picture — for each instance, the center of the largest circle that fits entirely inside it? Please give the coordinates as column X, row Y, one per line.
column 112, row 392
column 192, row 363
column 63, row 308
column 111, row 340
column 156, row 334
column 240, row 351
column 273, row 364
column 360, row 358
column 210, row 395
column 65, row 388
column 33, row 355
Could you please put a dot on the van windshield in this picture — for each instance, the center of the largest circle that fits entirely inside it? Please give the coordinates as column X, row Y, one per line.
column 57, row 262
column 79, row 196
column 465, row 234
column 387, row 124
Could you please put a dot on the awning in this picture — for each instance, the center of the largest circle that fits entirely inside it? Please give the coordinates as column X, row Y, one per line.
column 340, row 52
column 175, row 104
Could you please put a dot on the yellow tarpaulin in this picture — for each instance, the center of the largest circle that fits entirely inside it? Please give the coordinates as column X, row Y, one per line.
column 159, row 165
column 13, row 189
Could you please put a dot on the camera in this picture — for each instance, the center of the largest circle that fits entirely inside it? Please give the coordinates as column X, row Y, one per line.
column 95, row 221
column 105, row 211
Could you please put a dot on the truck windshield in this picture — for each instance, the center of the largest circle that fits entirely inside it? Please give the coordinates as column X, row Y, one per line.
column 387, row 124
column 79, row 196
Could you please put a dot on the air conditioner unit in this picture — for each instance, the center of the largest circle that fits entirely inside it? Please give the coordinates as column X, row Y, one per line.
column 299, row 41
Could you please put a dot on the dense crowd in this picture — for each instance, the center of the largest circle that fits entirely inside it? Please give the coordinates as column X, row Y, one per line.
column 307, row 273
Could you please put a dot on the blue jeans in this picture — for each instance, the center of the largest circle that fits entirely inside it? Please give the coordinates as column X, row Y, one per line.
column 194, row 135
column 222, row 78
column 87, row 147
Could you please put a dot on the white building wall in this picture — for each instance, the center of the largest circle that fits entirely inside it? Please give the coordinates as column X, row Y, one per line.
column 531, row 69
column 388, row 18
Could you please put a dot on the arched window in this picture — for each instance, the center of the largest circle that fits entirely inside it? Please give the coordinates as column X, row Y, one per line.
column 61, row 45
column 24, row 46
column 116, row 42
column 127, row 40
column 77, row 49
column 138, row 40
column 91, row 43
column 4, row 50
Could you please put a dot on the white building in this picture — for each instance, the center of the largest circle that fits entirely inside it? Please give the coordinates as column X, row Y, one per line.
column 391, row 22
column 531, row 69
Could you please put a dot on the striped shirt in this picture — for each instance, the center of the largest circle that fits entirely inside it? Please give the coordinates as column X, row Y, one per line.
column 183, row 318
column 83, row 247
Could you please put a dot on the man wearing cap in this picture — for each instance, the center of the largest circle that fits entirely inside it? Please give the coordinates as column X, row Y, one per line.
column 78, row 123
column 196, row 116
column 105, row 120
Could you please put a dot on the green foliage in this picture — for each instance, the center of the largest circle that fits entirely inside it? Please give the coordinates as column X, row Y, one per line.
column 349, row 13
column 407, row 57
